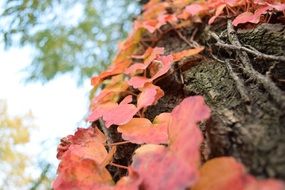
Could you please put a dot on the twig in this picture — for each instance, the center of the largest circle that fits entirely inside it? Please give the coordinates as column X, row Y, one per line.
column 254, row 52
column 42, row 177
column 119, row 143
column 268, row 73
column 105, row 131
column 118, row 165
column 251, row 50
column 193, row 44
column 271, row 88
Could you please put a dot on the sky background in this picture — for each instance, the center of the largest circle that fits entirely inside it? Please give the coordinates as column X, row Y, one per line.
column 59, row 106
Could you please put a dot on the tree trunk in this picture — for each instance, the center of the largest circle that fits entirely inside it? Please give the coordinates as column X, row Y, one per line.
column 245, row 92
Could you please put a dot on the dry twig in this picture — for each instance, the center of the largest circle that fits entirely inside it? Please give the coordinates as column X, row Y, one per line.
column 269, row 86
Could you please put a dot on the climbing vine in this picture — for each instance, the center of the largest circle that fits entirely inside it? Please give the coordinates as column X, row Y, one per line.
column 165, row 151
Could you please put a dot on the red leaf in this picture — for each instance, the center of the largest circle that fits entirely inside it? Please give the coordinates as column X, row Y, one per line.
column 277, row 6
column 77, row 173
column 141, row 130
column 242, row 18
column 160, row 169
column 80, row 137
column 120, row 114
column 194, row 9
column 133, row 69
column 219, row 11
column 149, row 55
column 249, row 17
column 149, row 96
column 174, row 167
column 130, row 182
column 184, row 135
column 114, row 113
column 138, row 82
column 164, row 64
column 83, row 161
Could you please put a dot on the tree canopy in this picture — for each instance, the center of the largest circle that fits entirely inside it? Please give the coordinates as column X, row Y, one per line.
column 67, row 36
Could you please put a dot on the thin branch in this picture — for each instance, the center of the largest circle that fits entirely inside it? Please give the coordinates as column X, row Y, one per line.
column 251, row 50
column 118, row 166
column 193, row 44
column 254, row 52
column 42, row 177
column 105, row 131
column 271, row 88
column 119, row 143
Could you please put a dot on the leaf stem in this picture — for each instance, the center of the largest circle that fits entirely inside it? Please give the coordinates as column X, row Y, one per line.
column 118, row 166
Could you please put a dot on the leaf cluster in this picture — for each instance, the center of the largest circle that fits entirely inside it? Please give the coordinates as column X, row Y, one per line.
column 169, row 155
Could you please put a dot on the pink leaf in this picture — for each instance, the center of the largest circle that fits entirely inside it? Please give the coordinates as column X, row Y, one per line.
column 149, row 96
column 141, row 130
column 218, row 12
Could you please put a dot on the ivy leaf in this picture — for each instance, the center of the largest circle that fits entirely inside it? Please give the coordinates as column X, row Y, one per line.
column 250, row 17
column 77, row 173
column 160, row 169
column 83, row 161
column 141, row 130
column 130, row 182
column 114, row 113
column 149, row 55
column 80, row 137
column 113, row 70
column 175, row 166
column 184, row 135
column 186, row 53
column 236, row 177
column 149, row 96
column 219, row 11
column 120, row 114
column 151, row 25
column 255, row 17
column 163, row 65
column 191, row 10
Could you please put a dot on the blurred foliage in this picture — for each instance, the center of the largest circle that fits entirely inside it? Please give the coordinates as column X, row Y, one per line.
column 15, row 164
column 67, row 35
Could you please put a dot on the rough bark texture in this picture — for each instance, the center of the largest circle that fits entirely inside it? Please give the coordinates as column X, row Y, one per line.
column 244, row 91
column 248, row 116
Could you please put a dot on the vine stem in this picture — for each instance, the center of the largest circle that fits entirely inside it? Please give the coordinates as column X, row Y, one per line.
column 118, row 165
column 119, row 143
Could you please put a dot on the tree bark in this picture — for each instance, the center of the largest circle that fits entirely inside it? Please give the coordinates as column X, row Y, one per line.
column 245, row 91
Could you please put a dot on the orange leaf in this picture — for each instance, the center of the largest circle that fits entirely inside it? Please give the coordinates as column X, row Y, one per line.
column 234, row 178
column 141, row 130
column 186, row 53
column 80, row 137
column 212, row 178
column 175, row 167
column 77, row 173
column 137, row 81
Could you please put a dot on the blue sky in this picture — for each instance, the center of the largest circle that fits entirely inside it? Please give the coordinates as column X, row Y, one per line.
column 59, row 106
